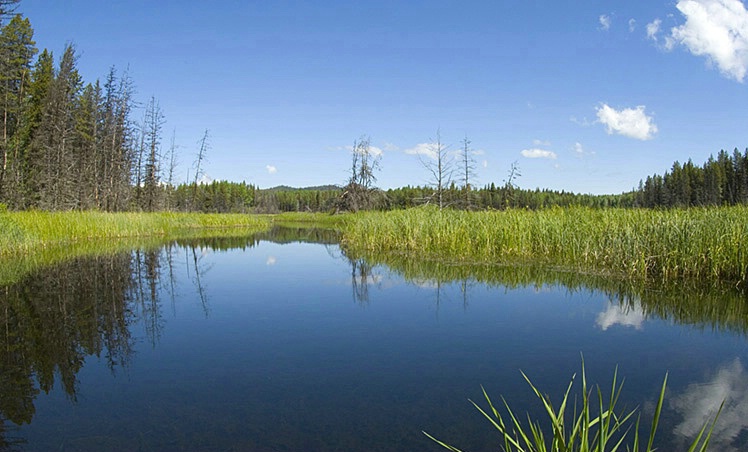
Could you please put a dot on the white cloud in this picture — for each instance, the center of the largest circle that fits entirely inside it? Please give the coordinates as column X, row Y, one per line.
column 629, row 122
column 615, row 314
column 605, row 22
column 485, row 163
column 271, row 260
column 541, row 143
column 271, row 169
column 718, row 30
column 632, row 25
column 579, row 150
column 538, row 154
column 699, row 403
column 426, row 149
column 653, row 28
column 390, row 147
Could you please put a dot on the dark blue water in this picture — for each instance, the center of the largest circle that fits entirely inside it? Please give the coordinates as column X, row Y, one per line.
column 294, row 347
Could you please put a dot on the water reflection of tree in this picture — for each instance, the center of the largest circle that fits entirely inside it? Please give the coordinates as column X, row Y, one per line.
column 54, row 319
column 148, row 272
column 360, row 274
column 199, row 269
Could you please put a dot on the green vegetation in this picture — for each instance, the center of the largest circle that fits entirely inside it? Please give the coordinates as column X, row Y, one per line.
column 699, row 243
column 720, row 181
column 595, row 425
column 24, row 232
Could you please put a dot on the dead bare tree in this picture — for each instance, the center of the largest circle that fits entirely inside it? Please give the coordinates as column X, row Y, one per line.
column 359, row 192
column 467, row 171
column 199, row 160
column 172, row 162
column 153, row 123
column 509, row 184
column 440, row 165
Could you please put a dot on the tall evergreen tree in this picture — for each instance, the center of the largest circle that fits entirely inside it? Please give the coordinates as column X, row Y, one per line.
column 16, row 53
column 53, row 141
column 29, row 171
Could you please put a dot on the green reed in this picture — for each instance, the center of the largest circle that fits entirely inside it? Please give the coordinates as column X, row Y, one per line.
column 24, row 232
column 702, row 243
column 596, row 424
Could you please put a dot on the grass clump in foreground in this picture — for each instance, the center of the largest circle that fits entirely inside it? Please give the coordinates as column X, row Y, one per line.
column 24, row 232
column 703, row 243
column 595, row 425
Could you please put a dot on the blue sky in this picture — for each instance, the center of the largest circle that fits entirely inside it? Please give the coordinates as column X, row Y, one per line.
column 586, row 96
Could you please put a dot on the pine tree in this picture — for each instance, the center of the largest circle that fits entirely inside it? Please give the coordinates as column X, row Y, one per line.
column 16, row 53
column 56, row 180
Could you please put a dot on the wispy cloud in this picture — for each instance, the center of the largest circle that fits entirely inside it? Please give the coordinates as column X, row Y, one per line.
column 632, row 25
column 544, row 143
column 605, row 22
column 425, row 149
column 271, row 169
column 373, row 150
column 629, row 122
column 580, row 151
column 653, row 28
column 717, row 30
column 535, row 153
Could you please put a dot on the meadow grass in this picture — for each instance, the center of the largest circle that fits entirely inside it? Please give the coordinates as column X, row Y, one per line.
column 702, row 243
column 26, row 232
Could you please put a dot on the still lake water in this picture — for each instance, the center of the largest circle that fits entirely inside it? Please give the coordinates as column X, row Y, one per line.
column 277, row 344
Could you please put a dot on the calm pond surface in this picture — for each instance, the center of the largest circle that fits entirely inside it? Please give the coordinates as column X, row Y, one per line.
column 277, row 343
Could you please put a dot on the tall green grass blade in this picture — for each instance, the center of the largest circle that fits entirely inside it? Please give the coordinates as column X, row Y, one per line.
column 657, row 413
column 605, row 432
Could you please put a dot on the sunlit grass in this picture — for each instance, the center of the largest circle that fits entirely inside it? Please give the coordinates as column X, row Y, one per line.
column 25, row 232
column 594, row 424
column 702, row 243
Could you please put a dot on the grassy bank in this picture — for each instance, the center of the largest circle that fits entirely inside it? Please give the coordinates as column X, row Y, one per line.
column 24, row 232
column 703, row 243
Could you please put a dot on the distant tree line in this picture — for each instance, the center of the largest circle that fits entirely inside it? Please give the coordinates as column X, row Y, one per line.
column 719, row 181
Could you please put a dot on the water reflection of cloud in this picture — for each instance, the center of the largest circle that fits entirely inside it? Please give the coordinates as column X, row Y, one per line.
column 699, row 403
column 426, row 283
column 616, row 314
column 271, row 260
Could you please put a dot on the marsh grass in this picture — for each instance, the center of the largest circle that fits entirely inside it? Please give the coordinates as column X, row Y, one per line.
column 26, row 232
column 701, row 243
column 595, row 423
